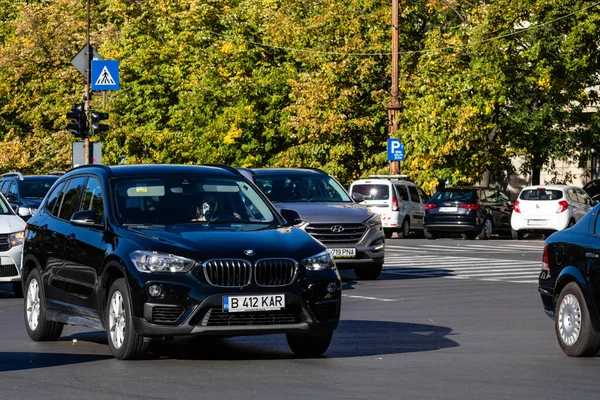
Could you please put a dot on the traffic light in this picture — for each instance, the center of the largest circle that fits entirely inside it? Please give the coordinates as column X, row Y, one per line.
column 97, row 127
column 78, row 125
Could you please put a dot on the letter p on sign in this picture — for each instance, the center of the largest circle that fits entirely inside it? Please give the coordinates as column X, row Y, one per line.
column 395, row 150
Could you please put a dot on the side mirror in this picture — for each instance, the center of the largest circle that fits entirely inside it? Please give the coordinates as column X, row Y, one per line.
column 291, row 216
column 358, row 197
column 84, row 218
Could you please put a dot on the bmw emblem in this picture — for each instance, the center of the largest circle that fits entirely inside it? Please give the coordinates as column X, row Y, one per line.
column 249, row 252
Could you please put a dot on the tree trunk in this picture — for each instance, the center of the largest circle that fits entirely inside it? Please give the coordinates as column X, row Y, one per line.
column 484, row 180
column 535, row 175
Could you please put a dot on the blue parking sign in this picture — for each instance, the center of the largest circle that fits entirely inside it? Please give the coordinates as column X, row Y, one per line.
column 105, row 75
column 395, row 150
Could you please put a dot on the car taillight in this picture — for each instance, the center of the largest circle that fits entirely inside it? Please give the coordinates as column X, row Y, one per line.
column 429, row 206
column 394, row 204
column 562, row 206
column 516, row 206
column 470, row 206
column 545, row 265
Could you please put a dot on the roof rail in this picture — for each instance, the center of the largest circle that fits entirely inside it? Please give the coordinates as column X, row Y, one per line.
column 15, row 174
column 379, row 176
column 224, row 166
column 103, row 166
column 57, row 173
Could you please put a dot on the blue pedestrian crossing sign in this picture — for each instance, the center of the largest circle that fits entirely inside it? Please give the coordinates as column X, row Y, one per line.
column 105, row 75
column 395, row 150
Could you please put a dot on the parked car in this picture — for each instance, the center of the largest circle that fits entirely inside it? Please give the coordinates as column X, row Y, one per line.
column 122, row 249
column 592, row 188
column 475, row 212
column 352, row 233
column 400, row 202
column 26, row 192
column 548, row 208
column 11, row 246
column 569, row 285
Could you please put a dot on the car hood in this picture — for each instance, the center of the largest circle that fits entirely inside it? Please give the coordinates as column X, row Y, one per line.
column 11, row 224
column 205, row 242
column 329, row 212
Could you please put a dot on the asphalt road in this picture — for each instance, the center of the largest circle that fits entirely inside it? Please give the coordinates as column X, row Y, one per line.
column 449, row 319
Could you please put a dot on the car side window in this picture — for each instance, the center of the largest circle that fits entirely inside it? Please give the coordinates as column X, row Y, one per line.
column 584, row 198
column 424, row 197
column 597, row 225
column 70, row 202
column 93, row 198
column 54, row 199
column 12, row 189
column 414, row 195
column 4, row 188
column 402, row 192
column 572, row 195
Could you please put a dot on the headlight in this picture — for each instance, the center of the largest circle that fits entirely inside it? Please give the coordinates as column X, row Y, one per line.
column 150, row 261
column 374, row 220
column 319, row 262
column 16, row 239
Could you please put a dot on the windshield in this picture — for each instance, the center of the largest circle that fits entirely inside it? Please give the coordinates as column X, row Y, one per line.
column 372, row 192
column 172, row 200
column 302, row 188
column 36, row 188
column 541, row 194
column 5, row 207
column 454, row 195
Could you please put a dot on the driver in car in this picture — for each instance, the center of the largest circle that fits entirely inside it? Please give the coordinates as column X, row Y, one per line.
column 209, row 209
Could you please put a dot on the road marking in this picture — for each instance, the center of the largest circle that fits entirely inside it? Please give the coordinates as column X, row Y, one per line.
column 367, row 298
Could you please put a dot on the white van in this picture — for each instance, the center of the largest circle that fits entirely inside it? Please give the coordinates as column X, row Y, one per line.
column 400, row 202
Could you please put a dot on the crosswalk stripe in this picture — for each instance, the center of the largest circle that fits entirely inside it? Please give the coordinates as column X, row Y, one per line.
column 474, row 269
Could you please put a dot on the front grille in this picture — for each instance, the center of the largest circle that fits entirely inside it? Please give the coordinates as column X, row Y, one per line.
column 166, row 314
column 349, row 233
column 4, row 243
column 227, row 273
column 217, row 317
column 275, row 272
column 6, row 271
column 324, row 311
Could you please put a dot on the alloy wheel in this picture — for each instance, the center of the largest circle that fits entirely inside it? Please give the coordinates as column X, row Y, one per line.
column 569, row 320
column 487, row 228
column 117, row 320
column 33, row 304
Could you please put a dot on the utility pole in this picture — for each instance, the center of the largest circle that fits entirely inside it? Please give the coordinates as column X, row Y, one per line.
column 394, row 105
column 88, row 83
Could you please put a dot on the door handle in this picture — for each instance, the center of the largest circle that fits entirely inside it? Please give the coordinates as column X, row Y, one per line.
column 591, row 255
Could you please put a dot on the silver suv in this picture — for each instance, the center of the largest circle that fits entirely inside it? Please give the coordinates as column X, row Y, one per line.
column 352, row 233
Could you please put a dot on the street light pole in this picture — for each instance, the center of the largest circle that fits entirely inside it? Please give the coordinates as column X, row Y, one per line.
column 394, row 105
column 88, row 78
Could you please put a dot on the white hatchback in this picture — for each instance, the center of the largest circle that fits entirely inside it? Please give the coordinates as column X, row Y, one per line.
column 12, row 229
column 547, row 208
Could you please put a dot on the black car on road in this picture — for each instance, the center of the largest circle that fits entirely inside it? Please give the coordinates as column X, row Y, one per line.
column 156, row 251
column 474, row 212
column 569, row 284
column 26, row 192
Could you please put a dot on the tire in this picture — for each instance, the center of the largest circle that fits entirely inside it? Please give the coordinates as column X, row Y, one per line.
column 124, row 343
column 368, row 273
column 38, row 327
column 405, row 229
column 517, row 235
column 486, row 230
column 388, row 233
column 571, row 312
column 18, row 289
column 309, row 345
column 430, row 234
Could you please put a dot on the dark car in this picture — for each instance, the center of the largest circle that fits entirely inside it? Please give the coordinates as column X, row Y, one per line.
column 156, row 251
column 26, row 192
column 592, row 188
column 475, row 212
column 352, row 232
column 570, row 285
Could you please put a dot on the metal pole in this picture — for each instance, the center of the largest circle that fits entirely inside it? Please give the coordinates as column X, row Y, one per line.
column 394, row 105
column 88, row 63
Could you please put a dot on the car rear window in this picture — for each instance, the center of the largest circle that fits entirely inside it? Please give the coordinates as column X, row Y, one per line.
column 372, row 192
column 454, row 195
column 541, row 194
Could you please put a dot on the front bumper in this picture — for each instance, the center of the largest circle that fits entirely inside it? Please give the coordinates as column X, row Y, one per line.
column 10, row 264
column 370, row 250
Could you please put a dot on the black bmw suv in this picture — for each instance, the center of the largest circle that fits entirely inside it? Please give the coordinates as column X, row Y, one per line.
column 155, row 251
column 26, row 192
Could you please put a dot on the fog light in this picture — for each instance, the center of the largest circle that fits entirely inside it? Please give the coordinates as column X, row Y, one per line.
column 332, row 288
column 154, row 290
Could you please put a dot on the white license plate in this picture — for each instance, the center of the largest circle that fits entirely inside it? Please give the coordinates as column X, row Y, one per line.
column 448, row 209
column 267, row 302
column 342, row 253
column 536, row 222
